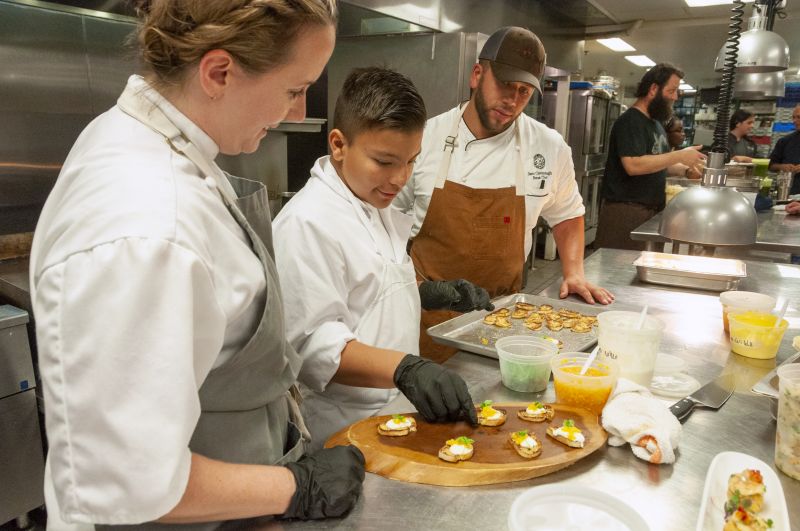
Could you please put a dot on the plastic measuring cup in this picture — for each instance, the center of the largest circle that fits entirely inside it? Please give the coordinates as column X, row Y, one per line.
column 634, row 350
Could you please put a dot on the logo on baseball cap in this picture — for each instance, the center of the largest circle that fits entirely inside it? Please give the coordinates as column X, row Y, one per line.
column 516, row 54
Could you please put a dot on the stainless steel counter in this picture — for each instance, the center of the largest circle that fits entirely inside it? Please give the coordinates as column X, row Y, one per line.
column 668, row 496
column 777, row 232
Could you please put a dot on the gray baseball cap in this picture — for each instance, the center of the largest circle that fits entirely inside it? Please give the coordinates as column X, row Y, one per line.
column 516, row 54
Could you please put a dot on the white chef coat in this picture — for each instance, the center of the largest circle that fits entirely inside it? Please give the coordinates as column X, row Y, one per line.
column 550, row 187
column 330, row 268
column 344, row 271
column 141, row 282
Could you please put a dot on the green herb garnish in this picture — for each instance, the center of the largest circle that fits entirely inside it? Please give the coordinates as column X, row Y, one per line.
column 466, row 441
column 769, row 523
column 537, row 405
column 399, row 418
column 523, row 433
column 486, row 403
column 732, row 504
column 569, row 423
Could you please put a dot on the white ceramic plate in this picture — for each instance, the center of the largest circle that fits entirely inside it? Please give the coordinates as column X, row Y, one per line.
column 559, row 508
column 712, row 511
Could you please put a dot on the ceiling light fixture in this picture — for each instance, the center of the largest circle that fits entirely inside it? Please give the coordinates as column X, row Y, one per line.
column 640, row 60
column 705, row 3
column 617, row 44
column 760, row 86
column 715, row 214
column 760, row 50
column 685, row 86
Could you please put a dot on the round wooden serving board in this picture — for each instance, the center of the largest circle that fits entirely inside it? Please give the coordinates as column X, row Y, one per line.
column 414, row 458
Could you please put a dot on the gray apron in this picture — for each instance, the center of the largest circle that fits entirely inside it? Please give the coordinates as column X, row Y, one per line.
column 249, row 414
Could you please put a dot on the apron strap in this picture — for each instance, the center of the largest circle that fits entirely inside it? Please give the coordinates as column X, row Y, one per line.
column 450, row 146
column 134, row 105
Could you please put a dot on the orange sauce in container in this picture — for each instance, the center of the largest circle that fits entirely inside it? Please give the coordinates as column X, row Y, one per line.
column 589, row 391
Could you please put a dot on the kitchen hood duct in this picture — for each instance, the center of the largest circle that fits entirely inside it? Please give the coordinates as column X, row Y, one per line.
column 760, row 86
column 760, row 50
column 713, row 214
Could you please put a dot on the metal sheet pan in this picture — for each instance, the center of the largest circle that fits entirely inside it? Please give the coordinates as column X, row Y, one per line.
column 697, row 272
column 469, row 332
column 768, row 385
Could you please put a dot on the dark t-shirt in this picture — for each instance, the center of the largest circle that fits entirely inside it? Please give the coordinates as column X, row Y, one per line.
column 634, row 135
column 787, row 151
column 745, row 146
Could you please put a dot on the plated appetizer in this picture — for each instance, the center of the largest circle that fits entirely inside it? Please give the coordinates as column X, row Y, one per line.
column 398, row 426
column 745, row 498
column 567, row 433
column 526, row 444
column 748, row 488
column 537, row 412
column 743, row 520
column 489, row 416
column 458, row 449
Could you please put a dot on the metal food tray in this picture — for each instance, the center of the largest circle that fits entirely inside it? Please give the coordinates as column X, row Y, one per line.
column 697, row 272
column 465, row 332
column 768, row 385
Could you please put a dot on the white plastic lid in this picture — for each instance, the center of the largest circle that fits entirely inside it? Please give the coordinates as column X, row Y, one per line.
column 747, row 300
column 572, row 508
column 674, row 385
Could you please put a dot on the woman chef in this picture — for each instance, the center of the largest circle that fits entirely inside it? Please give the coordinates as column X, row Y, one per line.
column 162, row 349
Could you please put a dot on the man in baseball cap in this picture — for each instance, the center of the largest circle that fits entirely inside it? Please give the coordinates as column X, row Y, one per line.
column 486, row 172
column 516, row 54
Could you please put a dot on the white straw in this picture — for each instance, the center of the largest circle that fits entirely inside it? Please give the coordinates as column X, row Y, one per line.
column 589, row 360
column 642, row 315
column 782, row 312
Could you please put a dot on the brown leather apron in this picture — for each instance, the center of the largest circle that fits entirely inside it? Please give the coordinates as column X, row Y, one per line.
column 470, row 233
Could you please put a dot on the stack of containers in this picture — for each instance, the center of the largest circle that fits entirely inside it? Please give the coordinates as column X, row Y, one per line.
column 783, row 115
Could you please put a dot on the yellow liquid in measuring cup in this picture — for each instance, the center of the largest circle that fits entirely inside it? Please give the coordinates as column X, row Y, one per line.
column 585, row 393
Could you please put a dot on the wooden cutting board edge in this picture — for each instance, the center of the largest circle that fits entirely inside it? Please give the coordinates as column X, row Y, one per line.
column 463, row 474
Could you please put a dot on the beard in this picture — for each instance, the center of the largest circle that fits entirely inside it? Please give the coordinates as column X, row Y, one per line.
column 660, row 108
column 489, row 124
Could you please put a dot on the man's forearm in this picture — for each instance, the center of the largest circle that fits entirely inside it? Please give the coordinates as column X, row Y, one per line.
column 569, row 238
column 646, row 164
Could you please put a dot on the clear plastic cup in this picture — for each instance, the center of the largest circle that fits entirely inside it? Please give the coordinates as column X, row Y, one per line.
column 588, row 391
column 742, row 301
column 754, row 334
column 633, row 349
column 525, row 362
column 787, row 436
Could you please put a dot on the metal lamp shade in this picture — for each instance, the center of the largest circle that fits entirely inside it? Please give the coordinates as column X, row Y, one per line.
column 759, row 51
column 760, row 86
column 710, row 216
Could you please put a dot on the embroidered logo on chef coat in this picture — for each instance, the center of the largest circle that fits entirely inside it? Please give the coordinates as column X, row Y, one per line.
column 538, row 183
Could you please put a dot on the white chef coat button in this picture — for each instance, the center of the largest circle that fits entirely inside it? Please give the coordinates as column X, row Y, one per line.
column 210, row 182
column 517, row 148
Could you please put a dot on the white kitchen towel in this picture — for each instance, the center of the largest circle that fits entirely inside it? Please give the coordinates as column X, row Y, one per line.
column 633, row 415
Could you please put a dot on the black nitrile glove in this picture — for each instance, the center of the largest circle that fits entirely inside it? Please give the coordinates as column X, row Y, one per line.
column 439, row 394
column 459, row 295
column 328, row 483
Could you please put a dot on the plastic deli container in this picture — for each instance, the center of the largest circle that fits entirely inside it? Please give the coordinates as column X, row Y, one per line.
column 589, row 391
column 525, row 362
column 754, row 334
column 787, row 438
column 742, row 301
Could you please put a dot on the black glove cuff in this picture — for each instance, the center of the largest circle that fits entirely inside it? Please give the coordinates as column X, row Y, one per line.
column 301, row 478
column 408, row 363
